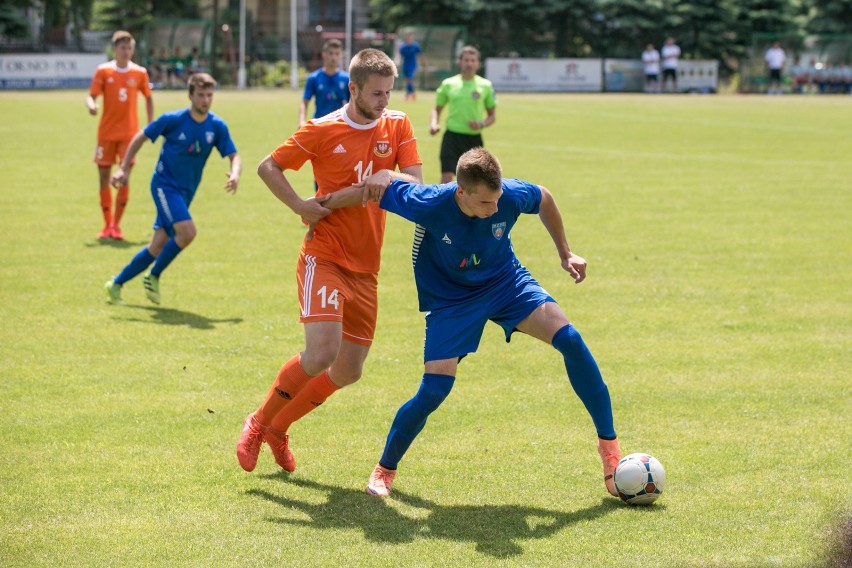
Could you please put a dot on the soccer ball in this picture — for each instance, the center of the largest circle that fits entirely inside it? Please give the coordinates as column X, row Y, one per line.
column 639, row 479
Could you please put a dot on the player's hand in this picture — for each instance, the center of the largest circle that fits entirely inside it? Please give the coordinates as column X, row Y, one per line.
column 475, row 124
column 119, row 178
column 93, row 110
column 311, row 211
column 434, row 129
column 319, row 199
column 232, row 183
column 374, row 186
column 576, row 267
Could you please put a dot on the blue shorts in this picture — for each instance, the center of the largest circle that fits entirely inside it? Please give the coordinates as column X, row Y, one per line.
column 455, row 331
column 172, row 208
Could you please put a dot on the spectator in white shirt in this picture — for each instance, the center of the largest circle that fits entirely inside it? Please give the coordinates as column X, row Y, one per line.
column 775, row 63
column 651, row 62
column 671, row 55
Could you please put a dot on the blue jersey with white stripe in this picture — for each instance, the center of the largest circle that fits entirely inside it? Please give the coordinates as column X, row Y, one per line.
column 455, row 257
column 186, row 148
column 330, row 92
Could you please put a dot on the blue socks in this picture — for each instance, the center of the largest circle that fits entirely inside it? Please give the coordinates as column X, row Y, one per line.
column 143, row 260
column 586, row 379
column 411, row 417
column 166, row 256
column 140, row 262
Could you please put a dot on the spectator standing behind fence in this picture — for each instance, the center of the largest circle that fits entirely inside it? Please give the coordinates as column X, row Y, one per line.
column 774, row 58
column 328, row 86
column 119, row 81
column 472, row 108
column 410, row 52
column 651, row 62
column 671, row 57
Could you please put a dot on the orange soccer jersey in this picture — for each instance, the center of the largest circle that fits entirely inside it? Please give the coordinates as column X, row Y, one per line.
column 342, row 153
column 119, row 88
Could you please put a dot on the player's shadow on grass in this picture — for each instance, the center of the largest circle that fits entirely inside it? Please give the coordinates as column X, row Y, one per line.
column 495, row 529
column 171, row 316
column 125, row 244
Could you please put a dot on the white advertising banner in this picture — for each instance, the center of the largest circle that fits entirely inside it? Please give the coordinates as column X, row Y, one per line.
column 699, row 75
column 48, row 70
column 552, row 75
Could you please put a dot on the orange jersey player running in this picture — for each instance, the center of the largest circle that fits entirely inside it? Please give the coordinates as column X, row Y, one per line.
column 119, row 82
column 361, row 144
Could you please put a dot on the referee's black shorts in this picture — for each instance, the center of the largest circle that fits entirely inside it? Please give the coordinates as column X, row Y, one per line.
column 453, row 146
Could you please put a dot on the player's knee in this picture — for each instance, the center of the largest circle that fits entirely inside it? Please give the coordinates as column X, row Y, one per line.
column 434, row 389
column 185, row 235
column 316, row 360
column 346, row 378
column 568, row 341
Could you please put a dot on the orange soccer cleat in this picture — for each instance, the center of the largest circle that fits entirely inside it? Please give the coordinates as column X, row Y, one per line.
column 610, row 454
column 279, row 443
column 251, row 439
column 381, row 481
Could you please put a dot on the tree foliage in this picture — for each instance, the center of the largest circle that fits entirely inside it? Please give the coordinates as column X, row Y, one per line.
column 831, row 17
column 713, row 29
column 12, row 23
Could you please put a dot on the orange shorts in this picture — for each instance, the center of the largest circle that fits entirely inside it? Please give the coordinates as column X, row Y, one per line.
column 328, row 292
column 110, row 152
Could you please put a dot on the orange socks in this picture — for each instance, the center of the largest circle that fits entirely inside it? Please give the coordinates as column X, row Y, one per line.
column 290, row 380
column 311, row 397
column 120, row 203
column 106, row 205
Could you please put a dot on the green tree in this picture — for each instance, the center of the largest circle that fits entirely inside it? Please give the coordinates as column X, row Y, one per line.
column 831, row 17
column 13, row 23
column 708, row 29
column 134, row 15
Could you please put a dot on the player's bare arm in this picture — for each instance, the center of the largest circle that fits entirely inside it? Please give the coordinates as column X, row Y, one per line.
column 273, row 176
column 149, row 108
column 303, row 112
column 119, row 178
column 234, row 175
column 551, row 218
column 92, row 105
column 434, row 126
column 490, row 119
column 371, row 188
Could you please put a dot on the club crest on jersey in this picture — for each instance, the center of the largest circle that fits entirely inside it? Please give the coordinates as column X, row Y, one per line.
column 382, row 149
column 497, row 230
column 475, row 95
column 131, row 82
column 209, row 137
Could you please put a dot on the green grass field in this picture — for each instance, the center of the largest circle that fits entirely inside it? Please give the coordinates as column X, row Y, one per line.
column 718, row 305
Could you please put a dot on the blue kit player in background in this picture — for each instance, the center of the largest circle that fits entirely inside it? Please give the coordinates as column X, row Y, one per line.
column 466, row 274
column 410, row 53
column 329, row 85
column 190, row 135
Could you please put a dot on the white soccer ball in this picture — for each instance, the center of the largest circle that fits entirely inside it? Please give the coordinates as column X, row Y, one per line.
column 639, row 479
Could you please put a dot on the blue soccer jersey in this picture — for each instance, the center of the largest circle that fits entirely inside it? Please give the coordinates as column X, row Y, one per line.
column 331, row 92
column 186, row 148
column 456, row 257
column 409, row 55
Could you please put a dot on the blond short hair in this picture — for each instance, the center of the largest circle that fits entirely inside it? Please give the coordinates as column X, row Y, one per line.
column 122, row 36
column 370, row 62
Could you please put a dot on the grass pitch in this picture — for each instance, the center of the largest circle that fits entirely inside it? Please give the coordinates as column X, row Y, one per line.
column 718, row 305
